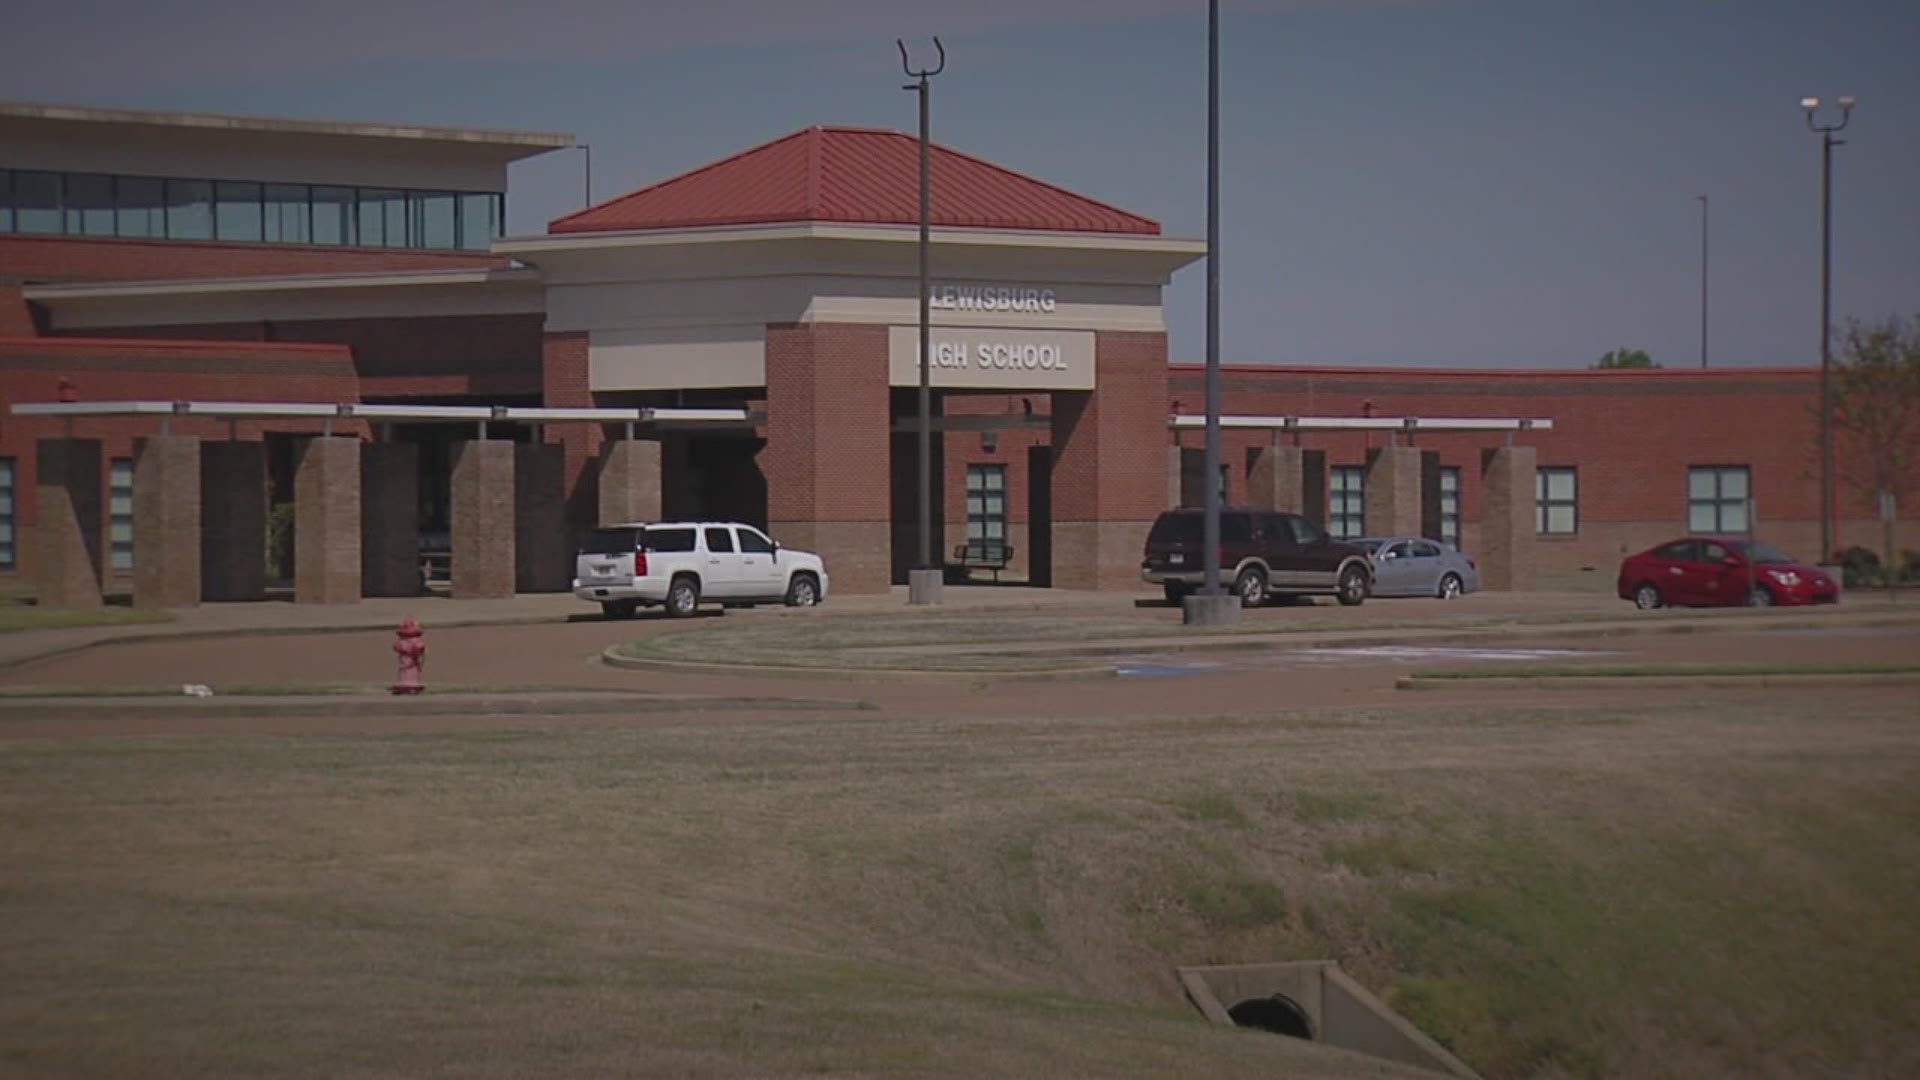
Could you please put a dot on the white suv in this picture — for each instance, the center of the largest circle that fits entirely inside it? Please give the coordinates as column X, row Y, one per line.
column 678, row 564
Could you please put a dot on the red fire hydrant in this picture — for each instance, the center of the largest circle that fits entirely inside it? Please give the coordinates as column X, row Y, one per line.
column 411, row 648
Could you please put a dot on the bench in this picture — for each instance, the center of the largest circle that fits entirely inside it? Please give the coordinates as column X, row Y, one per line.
column 984, row 554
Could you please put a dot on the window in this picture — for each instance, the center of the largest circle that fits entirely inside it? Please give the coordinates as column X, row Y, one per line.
column 1678, row 551
column 986, row 505
column 1426, row 549
column 1305, row 533
column 433, row 224
column 6, row 200
column 88, row 204
column 479, row 220
column 7, row 558
column 120, row 511
column 36, row 202
column 720, row 541
column 236, row 211
column 189, row 210
column 140, row 207
column 333, row 209
column 287, row 213
column 1450, row 506
column 383, row 218
column 1717, row 498
column 1555, row 501
column 669, row 540
column 753, row 543
column 1347, row 509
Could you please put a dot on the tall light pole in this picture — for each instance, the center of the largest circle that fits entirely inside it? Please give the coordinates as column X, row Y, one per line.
column 1703, row 279
column 586, row 172
column 924, row 580
column 1211, row 606
column 1811, row 105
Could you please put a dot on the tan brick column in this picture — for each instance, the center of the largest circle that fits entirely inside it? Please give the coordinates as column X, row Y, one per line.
column 233, row 520
column 1507, row 518
column 390, row 519
column 483, row 563
column 542, row 541
column 67, row 536
column 1393, row 491
column 166, row 522
column 630, row 486
column 1276, row 477
column 1174, row 477
column 827, row 458
column 1109, row 464
column 326, row 521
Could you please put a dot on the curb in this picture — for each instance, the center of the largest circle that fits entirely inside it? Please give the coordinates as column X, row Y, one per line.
column 1758, row 680
column 611, row 658
column 150, row 637
column 387, row 705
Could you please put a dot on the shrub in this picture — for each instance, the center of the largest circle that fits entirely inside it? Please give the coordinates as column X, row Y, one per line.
column 280, row 542
column 1859, row 566
column 1910, row 566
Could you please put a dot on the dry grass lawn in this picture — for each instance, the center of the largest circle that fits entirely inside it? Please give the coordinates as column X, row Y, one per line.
column 1683, row 889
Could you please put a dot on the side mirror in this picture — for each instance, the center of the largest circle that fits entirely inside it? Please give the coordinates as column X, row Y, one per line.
column 1732, row 562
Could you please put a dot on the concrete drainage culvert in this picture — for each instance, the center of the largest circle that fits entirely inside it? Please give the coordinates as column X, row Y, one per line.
column 1314, row 1000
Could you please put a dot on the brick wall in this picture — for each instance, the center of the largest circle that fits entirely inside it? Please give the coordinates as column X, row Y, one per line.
column 49, row 259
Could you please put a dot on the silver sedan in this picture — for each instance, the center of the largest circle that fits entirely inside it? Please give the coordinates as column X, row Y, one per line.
column 1415, row 566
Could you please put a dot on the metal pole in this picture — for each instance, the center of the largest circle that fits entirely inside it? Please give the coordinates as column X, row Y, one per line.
column 588, row 172
column 1826, row 351
column 926, row 384
column 1703, row 281
column 1210, row 533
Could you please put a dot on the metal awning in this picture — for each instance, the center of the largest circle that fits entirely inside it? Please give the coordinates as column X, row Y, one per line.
column 1367, row 423
column 281, row 410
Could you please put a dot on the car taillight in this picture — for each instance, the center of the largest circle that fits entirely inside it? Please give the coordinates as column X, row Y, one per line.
column 639, row 564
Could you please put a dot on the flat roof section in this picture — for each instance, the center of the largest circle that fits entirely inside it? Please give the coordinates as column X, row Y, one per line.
column 516, row 144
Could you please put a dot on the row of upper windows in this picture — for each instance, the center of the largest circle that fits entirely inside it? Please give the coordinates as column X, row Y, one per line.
column 1717, row 500
column 153, row 208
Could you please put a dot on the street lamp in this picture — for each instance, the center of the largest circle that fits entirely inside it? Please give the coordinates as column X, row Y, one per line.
column 586, row 172
column 924, row 579
column 1703, row 279
column 1811, row 106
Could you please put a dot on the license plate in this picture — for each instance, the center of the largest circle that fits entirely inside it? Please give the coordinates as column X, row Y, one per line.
column 602, row 569
column 1176, row 559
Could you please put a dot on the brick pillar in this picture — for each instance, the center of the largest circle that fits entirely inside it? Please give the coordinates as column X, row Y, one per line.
column 166, row 522
column 326, row 521
column 483, row 564
column 233, row 521
column 1276, row 479
column 1507, row 518
column 1108, row 464
column 565, row 370
column 390, row 519
column 66, row 552
column 542, row 543
column 1393, row 491
column 827, row 458
column 630, row 488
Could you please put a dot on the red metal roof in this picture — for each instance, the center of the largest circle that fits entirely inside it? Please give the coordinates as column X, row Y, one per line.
column 860, row 175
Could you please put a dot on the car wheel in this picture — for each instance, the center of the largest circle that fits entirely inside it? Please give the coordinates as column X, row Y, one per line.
column 1451, row 587
column 1173, row 591
column 1352, row 589
column 803, row 591
column 1759, row 597
column 683, row 597
column 1251, row 587
column 619, row 609
column 1646, row 597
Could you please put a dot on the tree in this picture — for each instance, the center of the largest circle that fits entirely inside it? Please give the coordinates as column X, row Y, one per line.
column 1625, row 358
column 1876, row 408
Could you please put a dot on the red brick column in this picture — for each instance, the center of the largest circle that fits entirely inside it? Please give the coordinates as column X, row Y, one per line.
column 166, row 521
column 1110, row 464
column 827, row 453
column 1507, row 518
column 66, row 552
column 563, row 381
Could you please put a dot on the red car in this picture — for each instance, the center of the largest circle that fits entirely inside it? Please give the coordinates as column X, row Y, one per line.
column 1710, row 571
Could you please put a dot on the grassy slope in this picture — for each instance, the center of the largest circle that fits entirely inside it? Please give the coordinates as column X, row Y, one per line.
column 1567, row 891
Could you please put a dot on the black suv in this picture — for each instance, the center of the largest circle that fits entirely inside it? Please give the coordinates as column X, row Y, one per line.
column 1262, row 553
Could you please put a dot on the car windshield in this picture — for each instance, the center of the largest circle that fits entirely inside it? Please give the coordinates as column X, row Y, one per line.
column 609, row 542
column 1765, row 553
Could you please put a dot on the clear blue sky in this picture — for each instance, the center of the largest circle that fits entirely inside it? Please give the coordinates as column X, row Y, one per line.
column 1421, row 182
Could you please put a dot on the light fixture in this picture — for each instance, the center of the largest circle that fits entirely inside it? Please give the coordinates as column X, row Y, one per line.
column 989, row 441
column 1809, row 103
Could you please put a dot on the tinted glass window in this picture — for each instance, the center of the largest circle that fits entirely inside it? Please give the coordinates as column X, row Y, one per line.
column 333, row 215
column 1426, row 549
column 1716, row 552
column 189, row 210
column 36, row 202
column 609, row 542
column 287, row 218
column 140, row 207
column 1305, row 532
column 89, row 204
column 669, row 539
column 753, row 543
column 719, row 539
column 1765, row 553
column 236, row 211
column 1681, row 551
column 1175, row 529
column 1235, row 528
column 1401, row 550
column 479, row 220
